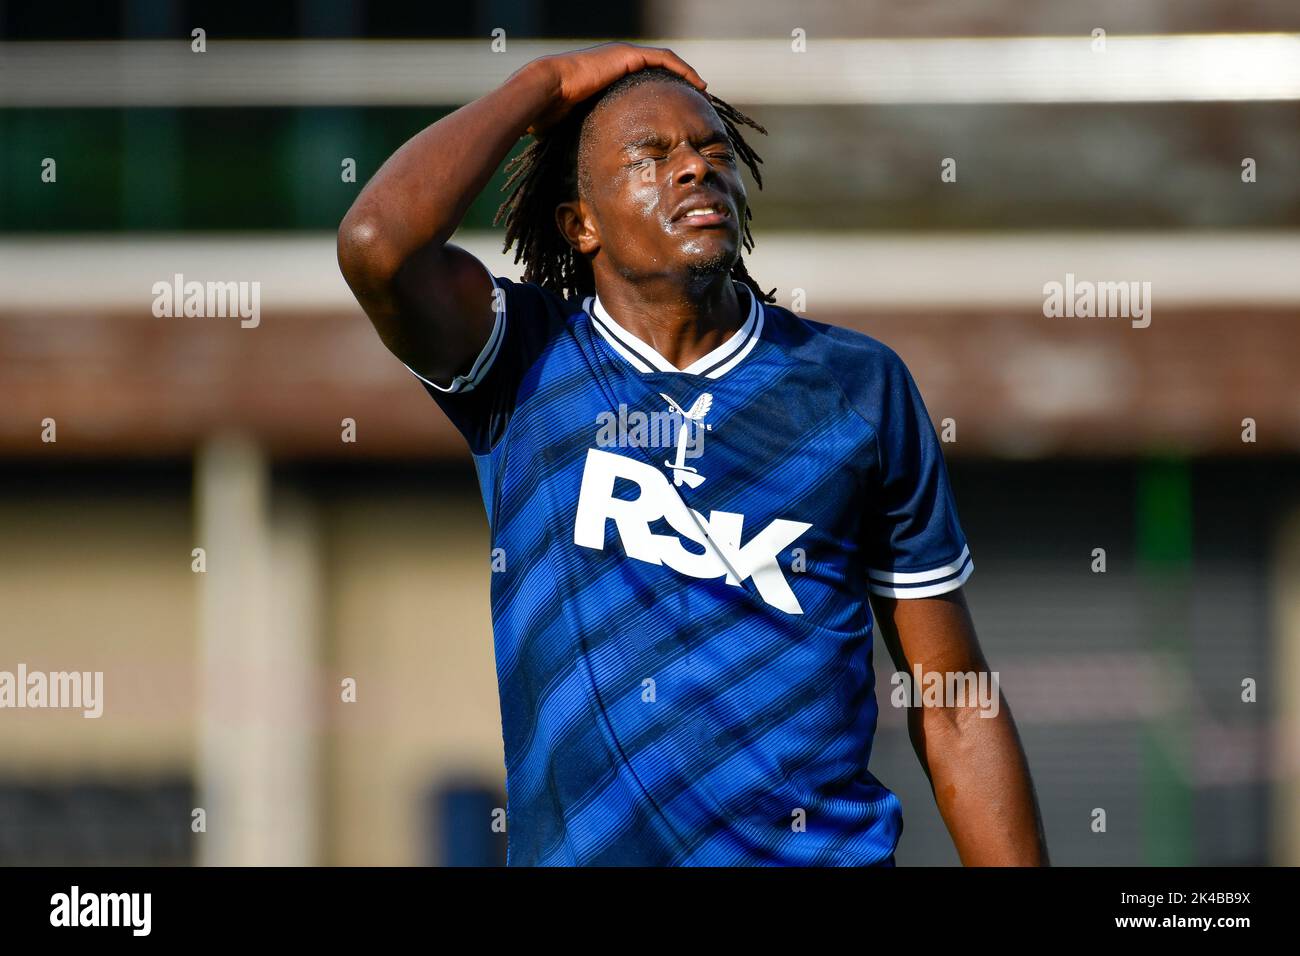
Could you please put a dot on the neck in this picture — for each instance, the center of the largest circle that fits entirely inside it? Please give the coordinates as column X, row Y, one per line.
column 681, row 323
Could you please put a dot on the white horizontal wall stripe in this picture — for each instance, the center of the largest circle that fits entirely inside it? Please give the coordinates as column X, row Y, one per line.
column 857, row 270
column 1172, row 68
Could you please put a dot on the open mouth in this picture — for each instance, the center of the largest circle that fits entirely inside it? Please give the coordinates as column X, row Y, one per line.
column 704, row 216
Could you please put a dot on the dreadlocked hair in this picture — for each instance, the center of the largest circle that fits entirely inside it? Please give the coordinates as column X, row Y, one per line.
column 545, row 174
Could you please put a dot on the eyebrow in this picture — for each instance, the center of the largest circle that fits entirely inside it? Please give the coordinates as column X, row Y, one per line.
column 658, row 139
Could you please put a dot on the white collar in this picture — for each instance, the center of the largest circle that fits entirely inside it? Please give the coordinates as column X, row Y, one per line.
column 645, row 358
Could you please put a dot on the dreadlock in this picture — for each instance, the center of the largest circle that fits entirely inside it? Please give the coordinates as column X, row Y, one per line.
column 545, row 174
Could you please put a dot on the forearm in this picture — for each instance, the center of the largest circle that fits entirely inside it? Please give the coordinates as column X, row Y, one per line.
column 981, row 783
column 421, row 193
column 433, row 304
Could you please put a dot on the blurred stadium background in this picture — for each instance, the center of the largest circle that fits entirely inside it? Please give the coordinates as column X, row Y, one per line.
column 329, row 560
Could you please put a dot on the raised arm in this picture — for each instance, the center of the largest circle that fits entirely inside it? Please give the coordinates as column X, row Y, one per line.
column 975, row 762
column 431, row 301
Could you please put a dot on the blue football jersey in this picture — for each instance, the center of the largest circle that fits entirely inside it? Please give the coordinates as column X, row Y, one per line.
column 682, row 564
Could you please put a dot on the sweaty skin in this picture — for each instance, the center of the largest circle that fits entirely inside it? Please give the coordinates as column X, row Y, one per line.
column 667, row 281
column 666, row 278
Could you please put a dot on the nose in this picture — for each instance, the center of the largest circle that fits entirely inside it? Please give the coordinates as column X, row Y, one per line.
column 691, row 168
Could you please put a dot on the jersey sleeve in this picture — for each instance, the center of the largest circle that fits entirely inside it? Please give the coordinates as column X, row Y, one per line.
column 914, row 545
column 481, row 402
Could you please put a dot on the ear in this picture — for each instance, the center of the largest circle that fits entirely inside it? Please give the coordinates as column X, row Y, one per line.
column 577, row 227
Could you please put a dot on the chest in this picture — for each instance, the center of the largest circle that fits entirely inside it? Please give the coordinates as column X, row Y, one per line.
column 748, row 480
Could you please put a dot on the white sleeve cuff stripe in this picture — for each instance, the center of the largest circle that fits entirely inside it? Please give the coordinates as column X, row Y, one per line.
column 483, row 363
column 919, row 577
column 923, row 590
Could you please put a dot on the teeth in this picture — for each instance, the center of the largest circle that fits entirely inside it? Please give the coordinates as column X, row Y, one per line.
column 706, row 211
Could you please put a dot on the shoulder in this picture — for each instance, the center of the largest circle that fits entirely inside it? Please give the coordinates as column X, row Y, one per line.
column 535, row 299
column 870, row 373
column 534, row 315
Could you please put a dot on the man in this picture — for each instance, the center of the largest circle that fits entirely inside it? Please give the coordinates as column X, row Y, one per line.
column 681, row 615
